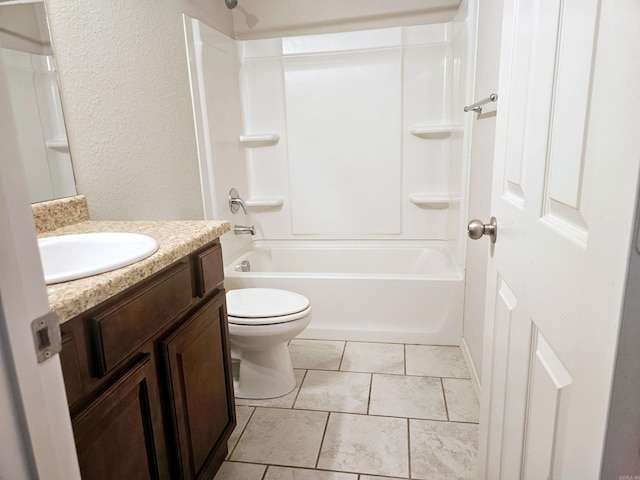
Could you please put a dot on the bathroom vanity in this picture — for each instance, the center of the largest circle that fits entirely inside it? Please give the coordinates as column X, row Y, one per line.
column 146, row 359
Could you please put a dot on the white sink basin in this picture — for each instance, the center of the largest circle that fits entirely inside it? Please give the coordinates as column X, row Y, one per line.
column 69, row 257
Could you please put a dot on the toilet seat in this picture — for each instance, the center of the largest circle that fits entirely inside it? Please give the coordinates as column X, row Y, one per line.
column 265, row 306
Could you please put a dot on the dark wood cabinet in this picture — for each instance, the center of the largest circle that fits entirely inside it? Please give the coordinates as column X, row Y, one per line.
column 118, row 434
column 149, row 379
column 197, row 367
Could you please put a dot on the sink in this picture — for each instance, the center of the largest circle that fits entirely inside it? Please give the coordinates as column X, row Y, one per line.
column 69, row 257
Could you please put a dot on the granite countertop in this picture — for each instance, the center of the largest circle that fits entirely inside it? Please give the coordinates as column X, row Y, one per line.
column 176, row 239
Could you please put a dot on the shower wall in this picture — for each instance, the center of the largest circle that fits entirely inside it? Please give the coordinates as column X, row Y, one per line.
column 343, row 136
column 35, row 99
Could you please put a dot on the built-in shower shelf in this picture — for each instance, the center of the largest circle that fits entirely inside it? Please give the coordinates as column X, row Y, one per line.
column 59, row 145
column 259, row 139
column 434, row 131
column 264, row 202
column 436, row 201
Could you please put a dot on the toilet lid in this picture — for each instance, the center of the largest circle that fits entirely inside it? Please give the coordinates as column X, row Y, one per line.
column 257, row 303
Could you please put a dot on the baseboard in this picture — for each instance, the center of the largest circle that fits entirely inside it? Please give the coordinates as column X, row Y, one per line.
column 475, row 380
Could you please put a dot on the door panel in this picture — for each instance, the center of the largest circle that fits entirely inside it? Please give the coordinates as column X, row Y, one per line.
column 563, row 195
column 571, row 59
column 549, row 381
column 517, row 113
column 506, row 303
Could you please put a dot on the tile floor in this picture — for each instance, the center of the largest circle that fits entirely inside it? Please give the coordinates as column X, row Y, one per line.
column 361, row 411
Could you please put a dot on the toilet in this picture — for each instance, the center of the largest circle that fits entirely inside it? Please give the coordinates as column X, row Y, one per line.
column 261, row 323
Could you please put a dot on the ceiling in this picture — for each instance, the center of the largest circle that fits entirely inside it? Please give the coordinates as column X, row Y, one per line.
column 276, row 18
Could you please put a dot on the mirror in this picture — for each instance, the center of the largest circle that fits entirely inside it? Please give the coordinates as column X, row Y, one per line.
column 27, row 57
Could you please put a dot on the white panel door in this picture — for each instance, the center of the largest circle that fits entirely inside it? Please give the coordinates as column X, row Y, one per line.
column 565, row 178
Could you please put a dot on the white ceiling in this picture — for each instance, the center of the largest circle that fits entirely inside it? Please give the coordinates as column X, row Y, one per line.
column 275, row 18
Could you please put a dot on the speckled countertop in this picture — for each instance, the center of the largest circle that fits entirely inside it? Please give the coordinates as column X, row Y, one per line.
column 176, row 239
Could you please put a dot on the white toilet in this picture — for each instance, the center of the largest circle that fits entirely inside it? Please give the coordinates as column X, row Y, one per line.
column 261, row 323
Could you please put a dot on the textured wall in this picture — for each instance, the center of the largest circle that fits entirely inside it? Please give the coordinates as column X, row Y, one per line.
column 125, row 93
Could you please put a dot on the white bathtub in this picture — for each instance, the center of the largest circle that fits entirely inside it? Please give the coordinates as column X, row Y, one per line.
column 390, row 291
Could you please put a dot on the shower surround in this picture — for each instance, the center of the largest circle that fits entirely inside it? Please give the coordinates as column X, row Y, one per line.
column 353, row 138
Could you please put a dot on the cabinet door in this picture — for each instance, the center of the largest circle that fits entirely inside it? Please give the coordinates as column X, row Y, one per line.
column 118, row 434
column 200, row 381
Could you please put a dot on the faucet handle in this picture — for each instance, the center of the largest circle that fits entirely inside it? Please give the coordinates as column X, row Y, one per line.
column 235, row 202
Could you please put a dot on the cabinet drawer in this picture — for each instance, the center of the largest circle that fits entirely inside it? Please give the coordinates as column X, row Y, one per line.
column 120, row 330
column 209, row 270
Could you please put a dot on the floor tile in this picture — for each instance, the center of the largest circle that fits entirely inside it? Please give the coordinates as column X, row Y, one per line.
column 436, row 361
column 335, row 391
column 242, row 417
column 462, row 403
column 443, row 450
column 365, row 444
column 373, row 358
column 316, row 354
column 282, row 437
column 282, row 473
column 236, row 471
column 285, row 401
column 404, row 396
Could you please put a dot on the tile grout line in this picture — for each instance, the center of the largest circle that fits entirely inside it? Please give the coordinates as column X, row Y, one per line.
column 363, row 414
column 370, row 391
column 344, row 349
column 409, row 447
column 324, row 434
column 404, row 352
column 383, row 373
column 304, row 375
column 242, row 432
column 444, row 396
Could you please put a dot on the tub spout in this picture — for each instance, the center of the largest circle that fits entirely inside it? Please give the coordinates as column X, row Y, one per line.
column 243, row 229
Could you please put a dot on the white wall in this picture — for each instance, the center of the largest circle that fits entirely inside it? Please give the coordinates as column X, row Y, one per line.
column 40, row 124
column 125, row 94
column 346, row 165
column 481, row 174
column 462, row 62
column 214, row 70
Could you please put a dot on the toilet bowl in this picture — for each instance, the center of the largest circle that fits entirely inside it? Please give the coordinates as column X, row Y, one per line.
column 261, row 323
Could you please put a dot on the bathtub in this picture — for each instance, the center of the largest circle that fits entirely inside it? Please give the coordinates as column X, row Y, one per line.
column 392, row 291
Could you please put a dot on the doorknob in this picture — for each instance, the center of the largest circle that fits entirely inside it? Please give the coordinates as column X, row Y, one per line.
column 476, row 229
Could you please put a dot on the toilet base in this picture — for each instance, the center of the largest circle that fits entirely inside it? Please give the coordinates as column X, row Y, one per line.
column 264, row 373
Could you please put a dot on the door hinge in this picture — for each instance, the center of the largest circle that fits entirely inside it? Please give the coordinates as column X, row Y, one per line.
column 46, row 336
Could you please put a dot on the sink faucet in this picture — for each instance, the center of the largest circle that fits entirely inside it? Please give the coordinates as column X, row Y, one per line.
column 243, row 229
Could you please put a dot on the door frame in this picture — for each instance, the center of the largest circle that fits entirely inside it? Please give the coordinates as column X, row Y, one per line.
column 37, row 435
